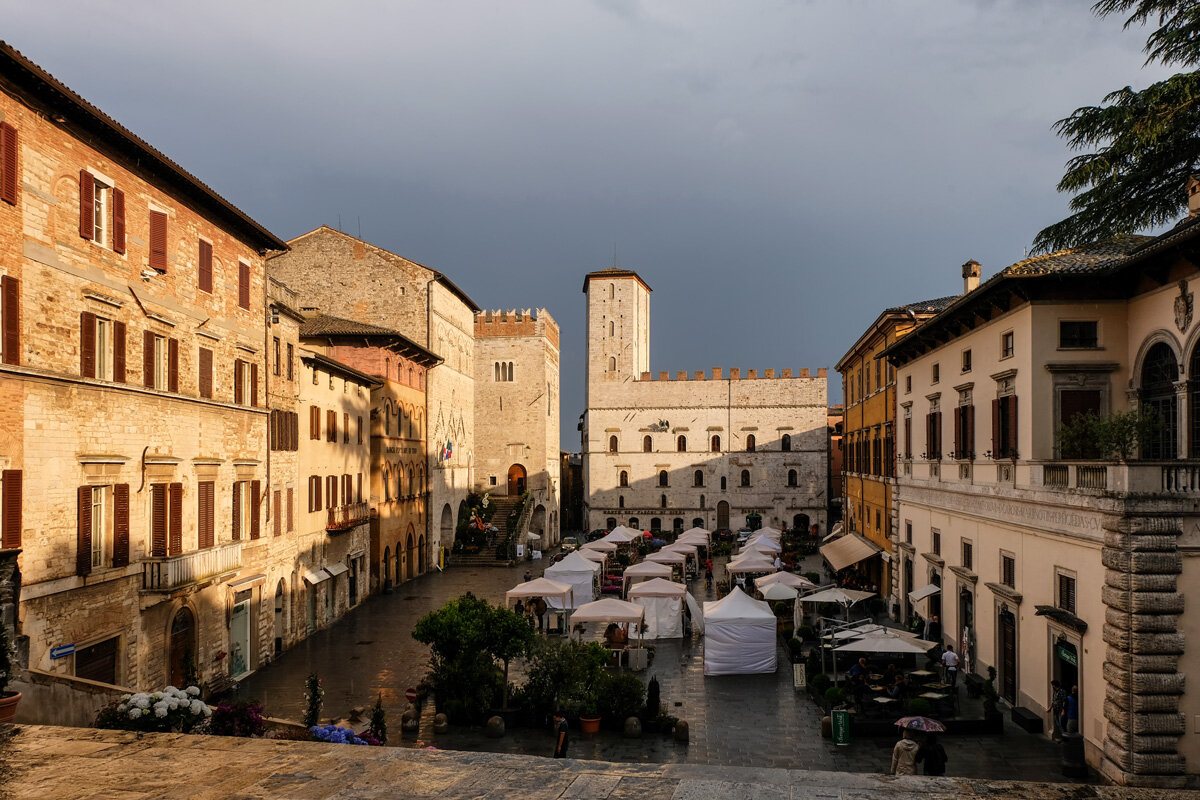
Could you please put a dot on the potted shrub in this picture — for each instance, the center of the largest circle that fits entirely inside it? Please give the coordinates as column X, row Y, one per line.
column 589, row 714
column 8, row 699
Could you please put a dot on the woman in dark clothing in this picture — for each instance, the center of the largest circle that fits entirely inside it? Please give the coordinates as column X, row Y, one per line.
column 933, row 754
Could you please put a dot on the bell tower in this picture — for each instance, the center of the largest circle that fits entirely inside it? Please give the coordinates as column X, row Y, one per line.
column 618, row 327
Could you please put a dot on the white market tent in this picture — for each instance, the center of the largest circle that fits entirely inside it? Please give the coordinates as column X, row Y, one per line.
column 609, row 609
column 694, row 531
column 755, row 562
column 665, row 556
column 540, row 587
column 580, row 574
column 663, row 601
column 763, row 541
column 600, row 544
column 739, row 636
column 695, row 536
column 619, row 536
column 786, row 578
column 599, row 556
column 779, row 591
column 645, row 571
column 773, row 533
column 624, row 531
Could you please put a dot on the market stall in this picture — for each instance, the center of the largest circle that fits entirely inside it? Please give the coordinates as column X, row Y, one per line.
column 739, row 636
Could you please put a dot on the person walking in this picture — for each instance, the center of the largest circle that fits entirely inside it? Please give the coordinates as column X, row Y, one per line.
column 933, row 755
column 950, row 666
column 539, row 608
column 560, row 736
column 1072, row 714
column 935, row 629
column 1058, row 710
column 904, row 755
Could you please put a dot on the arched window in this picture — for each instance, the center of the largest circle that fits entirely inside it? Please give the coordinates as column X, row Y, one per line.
column 745, row 477
column 511, row 372
column 612, row 364
column 698, row 478
column 621, row 501
column 655, row 525
column 698, row 522
column 1159, row 373
column 647, row 444
column 496, row 368
column 662, row 478
column 701, row 505
column 722, row 483
column 716, row 444
column 612, row 444
column 791, row 477
column 677, row 524
column 786, row 442
column 662, row 503
column 612, row 328
column 612, row 291
column 624, row 478
column 681, row 444
column 750, row 443
column 633, row 523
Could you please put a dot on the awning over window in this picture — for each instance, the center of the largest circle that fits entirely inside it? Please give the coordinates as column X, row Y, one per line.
column 316, row 576
column 917, row 595
column 336, row 569
column 849, row 549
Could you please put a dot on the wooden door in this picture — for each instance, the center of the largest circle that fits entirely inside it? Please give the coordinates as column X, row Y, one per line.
column 1008, row 657
column 183, row 646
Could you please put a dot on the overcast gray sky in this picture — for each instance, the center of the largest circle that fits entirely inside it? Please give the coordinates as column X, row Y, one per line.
column 779, row 172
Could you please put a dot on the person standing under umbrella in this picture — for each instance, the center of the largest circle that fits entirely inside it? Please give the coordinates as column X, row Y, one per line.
column 933, row 754
column 904, row 755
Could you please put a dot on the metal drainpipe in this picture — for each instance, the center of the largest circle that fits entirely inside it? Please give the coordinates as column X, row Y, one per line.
column 428, row 422
column 266, row 382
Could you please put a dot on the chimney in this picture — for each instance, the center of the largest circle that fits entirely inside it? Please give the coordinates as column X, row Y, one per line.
column 971, row 271
column 1193, row 195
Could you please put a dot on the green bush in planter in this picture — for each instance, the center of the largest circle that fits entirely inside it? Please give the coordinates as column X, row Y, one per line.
column 807, row 633
column 819, row 683
column 835, row 696
column 619, row 695
column 919, row 707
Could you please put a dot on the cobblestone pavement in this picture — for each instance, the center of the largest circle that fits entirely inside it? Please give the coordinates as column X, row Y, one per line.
column 749, row 720
column 76, row 763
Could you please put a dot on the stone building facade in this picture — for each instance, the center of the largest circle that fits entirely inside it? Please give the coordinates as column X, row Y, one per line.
column 399, row 487
column 676, row 451
column 133, row 429
column 869, row 440
column 1043, row 560
column 517, row 411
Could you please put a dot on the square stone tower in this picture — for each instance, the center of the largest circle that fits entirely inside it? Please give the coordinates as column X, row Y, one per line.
column 618, row 326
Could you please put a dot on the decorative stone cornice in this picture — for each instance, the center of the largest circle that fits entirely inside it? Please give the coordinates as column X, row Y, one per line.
column 1007, row 592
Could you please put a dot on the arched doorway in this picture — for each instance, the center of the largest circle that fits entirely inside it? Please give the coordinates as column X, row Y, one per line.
column 182, row 656
column 421, row 556
column 537, row 524
column 447, row 526
column 722, row 515
column 410, row 556
column 800, row 523
column 280, row 616
column 516, row 480
column 1160, row 370
column 387, row 566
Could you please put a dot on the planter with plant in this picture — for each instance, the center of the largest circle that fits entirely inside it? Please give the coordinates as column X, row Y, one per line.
column 378, row 727
column 653, row 705
column 170, row 710
column 8, row 698
column 314, row 696
column 240, row 718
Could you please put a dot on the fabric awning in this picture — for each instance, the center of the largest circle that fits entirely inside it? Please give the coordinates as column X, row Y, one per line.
column 336, row 569
column 849, row 549
column 917, row 595
column 316, row 576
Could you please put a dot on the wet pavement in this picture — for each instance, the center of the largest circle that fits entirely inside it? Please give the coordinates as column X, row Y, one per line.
column 746, row 720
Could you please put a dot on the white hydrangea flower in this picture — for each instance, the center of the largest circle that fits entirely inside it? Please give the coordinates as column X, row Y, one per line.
column 197, row 707
column 142, row 701
column 160, row 711
column 207, row 711
column 134, row 713
column 125, row 698
column 194, row 691
column 169, row 690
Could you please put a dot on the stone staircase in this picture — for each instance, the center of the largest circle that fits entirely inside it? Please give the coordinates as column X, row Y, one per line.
column 486, row 557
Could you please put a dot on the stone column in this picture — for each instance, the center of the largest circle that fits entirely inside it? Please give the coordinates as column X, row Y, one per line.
column 1141, row 630
column 1182, row 419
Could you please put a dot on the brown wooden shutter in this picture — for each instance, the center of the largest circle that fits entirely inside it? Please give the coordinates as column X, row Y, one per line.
column 331, row 423
column 206, row 492
column 8, row 163
column 121, row 525
column 237, row 381
column 358, row 491
column 996, row 443
column 148, row 360
column 929, row 436
column 1012, row 427
column 314, row 422
column 312, row 495
column 937, row 431
column 970, row 432
column 255, row 515
column 360, row 431
column 119, row 352
column 87, row 344
column 278, row 512
column 345, row 427
column 237, row 511
column 908, row 437
column 118, row 226
column 87, row 212
column 206, row 374
column 176, row 520
column 291, row 508
column 254, row 384
column 83, row 537
column 158, row 519
column 958, row 432
column 158, row 241
column 206, row 267
column 243, row 285
column 172, row 365
column 10, row 298
column 10, row 509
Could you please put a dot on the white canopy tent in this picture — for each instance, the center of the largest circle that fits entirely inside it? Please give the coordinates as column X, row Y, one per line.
column 578, row 572
column 786, row 578
column 624, row 531
column 663, row 601
column 609, row 609
column 779, row 591
column 739, row 636
column 694, row 531
column 644, row 572
column 763, row 541
column 665, row 556
column 767, row 530
column 600, row 544
column 599, row 556
column 753, row 562
column 620, row 535
column 540, row 587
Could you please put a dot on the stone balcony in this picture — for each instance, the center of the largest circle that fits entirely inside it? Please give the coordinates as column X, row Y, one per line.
column 347, row 517
column 168, row 573
column 1130, row 477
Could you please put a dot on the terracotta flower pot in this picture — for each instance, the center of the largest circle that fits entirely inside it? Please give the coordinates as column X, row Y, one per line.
column 8, row 706
column 589, row 725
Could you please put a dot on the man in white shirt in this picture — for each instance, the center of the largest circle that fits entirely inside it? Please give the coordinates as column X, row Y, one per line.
column 950, row 666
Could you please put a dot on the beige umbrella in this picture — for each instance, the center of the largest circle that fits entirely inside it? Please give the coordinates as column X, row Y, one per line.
column 881, row 642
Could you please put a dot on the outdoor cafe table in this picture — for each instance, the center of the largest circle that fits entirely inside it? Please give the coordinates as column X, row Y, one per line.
column 922, row 675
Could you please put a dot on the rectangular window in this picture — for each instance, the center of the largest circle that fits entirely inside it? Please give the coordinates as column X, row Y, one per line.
column 98, row 662
column 331, row 425
column 1004, row 427
column 290, row 368
column 937, row 372
column 158, row 240
column 968, row 555
column 966, row 360
column 1008, row 570
column 345, row 427
column 101, row 348
column 160, row 362
column 100, row 225
column 1075, row 334
column 275, row 345
column 937, row 542
column 1006, row 344
column 908, row 532
column 1066, row 593
column 100, row 530
column 205, row 370
column 908, row 384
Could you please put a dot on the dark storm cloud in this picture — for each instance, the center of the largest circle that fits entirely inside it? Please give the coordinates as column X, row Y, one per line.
column 778, row 171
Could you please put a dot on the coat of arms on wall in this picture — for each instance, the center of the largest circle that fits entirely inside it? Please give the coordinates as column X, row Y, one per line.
column 1183, row 307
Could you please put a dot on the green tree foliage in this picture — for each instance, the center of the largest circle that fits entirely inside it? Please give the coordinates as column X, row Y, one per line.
column 1138, row 148
column 1115, row 436
column 466, row 638
column 562, row 676
column 378, row 728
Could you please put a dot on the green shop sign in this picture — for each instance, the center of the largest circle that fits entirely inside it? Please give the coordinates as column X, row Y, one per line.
column 840, row 719
column 1065, row 655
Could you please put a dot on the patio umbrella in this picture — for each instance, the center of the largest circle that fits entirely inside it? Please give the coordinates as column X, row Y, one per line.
column 836, row 594
column 880, row 642
column 920, row 724
column 779, row 591
column 787, row 579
